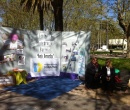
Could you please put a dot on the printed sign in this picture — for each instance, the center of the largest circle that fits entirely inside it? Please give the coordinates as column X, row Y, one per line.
column 43, row 53
column 81, row 62
column 44, row 67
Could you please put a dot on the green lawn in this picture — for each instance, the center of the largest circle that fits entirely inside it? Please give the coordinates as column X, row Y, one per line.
column 114, row 52
column 123, row 63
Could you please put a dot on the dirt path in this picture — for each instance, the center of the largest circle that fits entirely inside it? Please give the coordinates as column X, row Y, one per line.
column 76, row 99
column 117, row 97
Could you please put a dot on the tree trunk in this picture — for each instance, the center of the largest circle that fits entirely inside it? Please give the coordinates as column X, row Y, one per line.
column 124, row 24
column 41, row 19
column 128, row 47
column 126, row 29
column 128, row 41
column 58, row 15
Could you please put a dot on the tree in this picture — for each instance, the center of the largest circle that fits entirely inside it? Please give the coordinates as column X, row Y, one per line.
column 120, row 9
column 43, row 6
column 81, row 15
column 123, row 9
column 13, row 16
column 58, row 14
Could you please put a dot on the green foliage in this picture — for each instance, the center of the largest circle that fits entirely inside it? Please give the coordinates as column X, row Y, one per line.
column 98, row 52
column 13, row 16
column 81, row 15
column 119, row 63
column 85, row 15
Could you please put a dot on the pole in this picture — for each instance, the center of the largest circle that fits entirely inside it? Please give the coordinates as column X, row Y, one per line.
column 107, row 27
column 107, row 34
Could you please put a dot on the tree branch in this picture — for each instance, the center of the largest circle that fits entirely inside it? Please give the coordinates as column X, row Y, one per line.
column 121, row 22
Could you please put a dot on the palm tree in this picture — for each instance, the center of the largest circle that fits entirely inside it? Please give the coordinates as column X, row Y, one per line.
column 44, row 5
column 58, row 15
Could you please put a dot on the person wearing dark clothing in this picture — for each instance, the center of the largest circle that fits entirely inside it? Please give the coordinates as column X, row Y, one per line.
column 92, row 74
column 108, row 77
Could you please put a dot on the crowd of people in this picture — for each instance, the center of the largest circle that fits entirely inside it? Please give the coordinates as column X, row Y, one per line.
column 104, row 77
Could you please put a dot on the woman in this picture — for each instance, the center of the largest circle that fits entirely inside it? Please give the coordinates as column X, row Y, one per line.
column 13, row 42
column 92, row 75
column 108, row 77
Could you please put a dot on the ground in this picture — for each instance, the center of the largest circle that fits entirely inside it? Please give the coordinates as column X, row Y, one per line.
column 76, row 99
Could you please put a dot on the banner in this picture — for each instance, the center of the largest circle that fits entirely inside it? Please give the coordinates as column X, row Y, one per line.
column 43, row 53
column 81, row 62
column 75, row 52
column 44, row 67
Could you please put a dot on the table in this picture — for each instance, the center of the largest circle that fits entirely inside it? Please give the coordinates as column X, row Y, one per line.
column 20, row 76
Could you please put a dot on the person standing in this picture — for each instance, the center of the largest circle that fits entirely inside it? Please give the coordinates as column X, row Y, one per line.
column 108, row 77
column 92, row 74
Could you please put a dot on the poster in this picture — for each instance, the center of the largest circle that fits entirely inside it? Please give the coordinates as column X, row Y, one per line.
column 37, row 44
column 44, row 67
column 81, row 62
column 21, row 60
column 74, row 56
column 12, row 44
column 12, row 41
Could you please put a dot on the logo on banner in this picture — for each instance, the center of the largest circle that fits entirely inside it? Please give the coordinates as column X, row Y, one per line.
column 38, row 67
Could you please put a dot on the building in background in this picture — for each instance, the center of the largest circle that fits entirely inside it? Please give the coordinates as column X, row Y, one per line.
column 118, row 44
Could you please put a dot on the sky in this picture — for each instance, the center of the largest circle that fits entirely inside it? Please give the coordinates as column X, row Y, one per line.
column 0, row 19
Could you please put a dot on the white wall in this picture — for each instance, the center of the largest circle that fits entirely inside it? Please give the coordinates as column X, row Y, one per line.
column 118, row 42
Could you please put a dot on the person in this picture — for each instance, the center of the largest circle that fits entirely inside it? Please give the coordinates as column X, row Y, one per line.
column 108, row 77
column 111, row 52
column 13, row 42
column 21, row 60
column 92, row 74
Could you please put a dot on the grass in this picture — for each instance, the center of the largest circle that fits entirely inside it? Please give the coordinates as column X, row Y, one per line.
column 120, row 63
column 105, row 52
